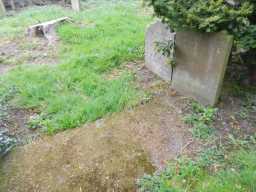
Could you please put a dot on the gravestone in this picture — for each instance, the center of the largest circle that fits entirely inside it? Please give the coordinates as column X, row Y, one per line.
column 201, row 61
column 76, row 6
column 154, row 60
column 2, row 8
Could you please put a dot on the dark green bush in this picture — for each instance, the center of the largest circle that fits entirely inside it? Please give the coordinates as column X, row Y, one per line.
column 237, row 17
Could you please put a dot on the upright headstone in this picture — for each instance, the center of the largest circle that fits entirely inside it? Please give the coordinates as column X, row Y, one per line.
column 76, row 5
column 155, row 61
column 201, row 61
column 2, row 8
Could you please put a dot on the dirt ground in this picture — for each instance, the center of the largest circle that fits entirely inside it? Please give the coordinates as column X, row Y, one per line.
column 28, row 51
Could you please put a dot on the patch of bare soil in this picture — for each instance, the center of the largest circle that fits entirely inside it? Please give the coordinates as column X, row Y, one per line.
column 28, row 51
column 86, row 159
column 5, row 68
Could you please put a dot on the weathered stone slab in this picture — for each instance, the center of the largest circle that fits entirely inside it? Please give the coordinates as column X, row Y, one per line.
column 155, row 61
column 76, row 5
column 201, row 60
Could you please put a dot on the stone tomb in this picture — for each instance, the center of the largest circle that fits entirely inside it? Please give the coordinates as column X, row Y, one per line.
column 201, row 60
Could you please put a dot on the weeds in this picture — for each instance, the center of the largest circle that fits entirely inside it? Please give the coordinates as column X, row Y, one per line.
column 201, row 119
column 248, row 106
column 228, row 166
column 212, row 171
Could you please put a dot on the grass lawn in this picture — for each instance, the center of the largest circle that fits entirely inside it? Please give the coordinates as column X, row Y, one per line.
column 76, row 90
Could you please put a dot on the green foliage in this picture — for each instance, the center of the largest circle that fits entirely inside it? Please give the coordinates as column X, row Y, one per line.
column 167, row 49
column 239, row 176
column 212, row 171
column 201, row 119
column 247, row 38
column 78, row 89
column 210, row 16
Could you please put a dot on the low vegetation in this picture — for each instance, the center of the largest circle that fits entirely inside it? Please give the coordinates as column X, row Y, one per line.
column 201, row 119
column 78, row 89
column 228, row 168
column 225, row 164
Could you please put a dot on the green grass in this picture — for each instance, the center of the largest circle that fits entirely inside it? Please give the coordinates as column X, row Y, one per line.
column 211, row 172
column 77, row 90
column 201, row 119
column 15, row 26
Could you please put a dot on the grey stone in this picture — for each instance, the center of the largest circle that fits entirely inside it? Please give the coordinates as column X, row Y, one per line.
column 155, row 61
column 76, row 6
column 201, row 61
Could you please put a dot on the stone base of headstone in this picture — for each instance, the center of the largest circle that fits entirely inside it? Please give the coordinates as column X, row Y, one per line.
column 201, row 61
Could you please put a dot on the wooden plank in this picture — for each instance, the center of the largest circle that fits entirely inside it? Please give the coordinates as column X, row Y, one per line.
column 46, row 29
column 52, row 22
